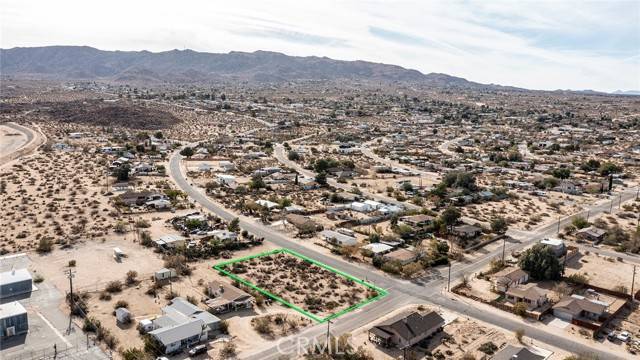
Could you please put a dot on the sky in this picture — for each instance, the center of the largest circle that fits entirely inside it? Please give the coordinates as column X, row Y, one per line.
column 540, row 44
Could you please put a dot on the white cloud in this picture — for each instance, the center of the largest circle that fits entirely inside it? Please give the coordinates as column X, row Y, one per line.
column 533, row 44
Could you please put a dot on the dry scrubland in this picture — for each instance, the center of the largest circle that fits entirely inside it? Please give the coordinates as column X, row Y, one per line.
column 52, row 197
column 303, row 284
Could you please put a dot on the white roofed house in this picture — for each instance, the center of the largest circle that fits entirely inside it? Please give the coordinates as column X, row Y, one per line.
column 336, row 238
column 170, row 241
column 183, row 325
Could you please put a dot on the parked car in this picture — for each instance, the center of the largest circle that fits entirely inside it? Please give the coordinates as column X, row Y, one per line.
column 624, row 336
column 611, row 336
column 197, row 350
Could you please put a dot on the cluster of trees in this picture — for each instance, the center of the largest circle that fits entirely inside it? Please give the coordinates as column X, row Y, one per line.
column 604, row 169
column 541, row 263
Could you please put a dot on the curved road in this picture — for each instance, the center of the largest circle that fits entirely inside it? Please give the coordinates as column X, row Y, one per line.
column 29, row 145
column 401, row 292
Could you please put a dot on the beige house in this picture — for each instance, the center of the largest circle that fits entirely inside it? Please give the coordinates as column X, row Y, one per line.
column 529, row 294
column 508, row 277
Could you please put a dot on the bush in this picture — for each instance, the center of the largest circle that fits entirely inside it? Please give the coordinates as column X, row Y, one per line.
column 488, row 348
column 520, row 309
column 134, row 354
column 519, row 334
column 38, row 279
column 392, row 267
column 121, row 304
column 131, row 277
column 72, row 263
column 114, row 286
column 105, row 296
column 578, row 278
column 228, row 350
column 45, row 245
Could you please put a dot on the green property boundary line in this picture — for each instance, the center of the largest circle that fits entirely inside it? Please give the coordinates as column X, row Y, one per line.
column 221, row 268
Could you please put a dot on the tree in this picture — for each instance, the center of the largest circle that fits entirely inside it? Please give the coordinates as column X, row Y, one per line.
column 520, row 309
column 609, row 168
column 579, row 222
column 561, row 173
column 450, row 216
column 257, row 183
column 293, row 156
column 187, row 152
column 321, row 178
column 122, row 172
column 540, row 262
column 519, row 333
column 234, row 225
column 499, row 225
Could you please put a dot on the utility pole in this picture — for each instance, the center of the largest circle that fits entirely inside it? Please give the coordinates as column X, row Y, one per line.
column 588, row 213
column 70, row 275
column 504, row 244
column 449, row 280
column 620, row 202
column 329, row 322
column 558, row 224
column 633, row 281
column 611, row 206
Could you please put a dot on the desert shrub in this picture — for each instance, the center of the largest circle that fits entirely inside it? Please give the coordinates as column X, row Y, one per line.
column 45, row 245
column 72, row 263
column 520, row 309
column 38, row 279
column 121, row 304
column 488, row 348
column 263, row 326
column 114, row 286
column 131, row 277
column 134, row 354
column 228, row 350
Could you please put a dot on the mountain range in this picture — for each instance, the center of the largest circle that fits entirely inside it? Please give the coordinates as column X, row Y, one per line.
column 188, row 66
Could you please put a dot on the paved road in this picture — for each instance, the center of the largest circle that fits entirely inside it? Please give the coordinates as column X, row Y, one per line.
column 24, row 148
column 401, row 292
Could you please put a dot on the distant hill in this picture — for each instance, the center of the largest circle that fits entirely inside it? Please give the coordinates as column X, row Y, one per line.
column 187, row 66
column 628, row 92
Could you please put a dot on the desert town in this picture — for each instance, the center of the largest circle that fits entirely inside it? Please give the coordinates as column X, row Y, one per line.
column 252, row 222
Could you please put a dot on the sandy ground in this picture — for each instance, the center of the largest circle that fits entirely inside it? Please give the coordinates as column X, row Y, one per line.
column 10, row 140
column 602, row 271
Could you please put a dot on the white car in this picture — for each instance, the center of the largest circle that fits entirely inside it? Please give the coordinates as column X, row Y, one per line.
column 624, row 336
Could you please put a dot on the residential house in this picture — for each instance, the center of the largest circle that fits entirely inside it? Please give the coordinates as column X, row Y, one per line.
column 508, row 277
column 529, row 294
column 182, row 325
column 591, row 233
column 511, row 352
column 403, row 330
column 303, row 223
column 170, row 241
column 417, row 221
column 556, row 245
column 377, row 249
column 467, row 231
column 226, row 297
column 336, row 238
column 403, row 256
column 579, row 307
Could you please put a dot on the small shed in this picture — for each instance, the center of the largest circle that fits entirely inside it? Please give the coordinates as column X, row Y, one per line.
column 145, row 325
column 13, row 320
column 164, row 274
column 118, row 254
column 15, row 282
column 123, row 315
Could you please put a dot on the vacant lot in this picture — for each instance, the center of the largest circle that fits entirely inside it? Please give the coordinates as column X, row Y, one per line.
column 299, row 282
